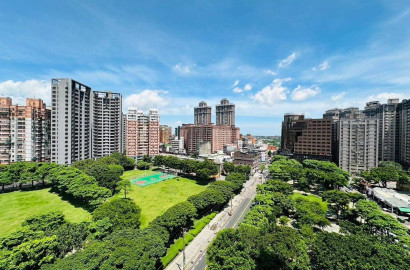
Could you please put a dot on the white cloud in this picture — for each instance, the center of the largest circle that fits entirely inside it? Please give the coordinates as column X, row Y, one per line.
column 270, row 72
column 272, row 93
column 146, row 99
column 287, row 61
column 235, row 84
column 19, row 91
column 237, row 90
column 323, row 66
column 383, row 97
column 182, row 69
column 338, row 96
column 302, row 93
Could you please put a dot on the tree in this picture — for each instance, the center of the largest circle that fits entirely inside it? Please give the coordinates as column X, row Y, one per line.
column 44, row 170
column 310, row 212
column 355, row 197
column 5, row 177
column 206, row 200
column 275, row 186
column 34, row 253
column 123, row 249
column 107, row 175
column 226, row 188
column 122, row 213
column 339, row 200
column 262, row 167
column 126, row 186
column 147, row 159
column 176, row 217
column 142, row 165
column 269, row 153
column 50, row 221
column 228, row 251
column 284, row 248
column 336, row 251
column 238, row 179
column 126, row 162
column 228, row 167
column 203, row 174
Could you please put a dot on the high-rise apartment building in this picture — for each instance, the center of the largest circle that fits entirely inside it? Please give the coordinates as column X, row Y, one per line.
column 70, row 121
column 225, row 113
column 142, row 133
column 358, row 146
column 106, row 123
column 404, row 132
column 203, row 132
column 124, row 132
column 202, row 114
column 24, row 132
column 388, row 128
column 165, row 134
column 216, row 135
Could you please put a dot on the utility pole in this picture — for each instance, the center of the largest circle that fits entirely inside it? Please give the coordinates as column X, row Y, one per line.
column 183, row 251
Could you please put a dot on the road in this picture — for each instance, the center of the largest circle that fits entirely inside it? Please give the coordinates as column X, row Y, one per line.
column 237, row 217
column 195, row 252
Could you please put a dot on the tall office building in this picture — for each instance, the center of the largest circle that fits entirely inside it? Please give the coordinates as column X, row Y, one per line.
column 106, row 123
column 307, row 138
column 70, row 121
column 292, row 127
column 404, row 132
column 358, row 145
column 202, row 114
column 225, row 113
column 24, row 132
column 142, row 133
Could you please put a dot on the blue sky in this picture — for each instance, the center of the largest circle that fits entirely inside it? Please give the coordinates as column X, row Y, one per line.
column 267, row 57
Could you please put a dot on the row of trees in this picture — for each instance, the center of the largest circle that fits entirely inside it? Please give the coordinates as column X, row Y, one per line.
column 202, row 169
column 261, row 242
column 310, row 175
column 387, row 171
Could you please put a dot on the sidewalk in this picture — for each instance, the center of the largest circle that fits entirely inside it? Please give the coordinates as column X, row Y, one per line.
column 198, row 246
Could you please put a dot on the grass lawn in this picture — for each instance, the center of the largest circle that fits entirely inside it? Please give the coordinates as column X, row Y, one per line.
column 130, row 175
column 19, row 205
column 154, row 200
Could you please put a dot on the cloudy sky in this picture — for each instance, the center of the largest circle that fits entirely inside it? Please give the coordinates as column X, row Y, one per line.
column 267, row 57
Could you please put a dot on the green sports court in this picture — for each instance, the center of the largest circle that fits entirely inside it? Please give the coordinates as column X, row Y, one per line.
column 152, row 178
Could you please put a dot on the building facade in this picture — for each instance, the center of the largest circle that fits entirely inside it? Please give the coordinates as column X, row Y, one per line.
column 202, row 114
column 70, row 121
column 25, row 131
column 165, row 134
column 225, row 113
column 142, row 133
column 315, row 140
column 358, row 145
column 404, row 132
column 106, row 123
